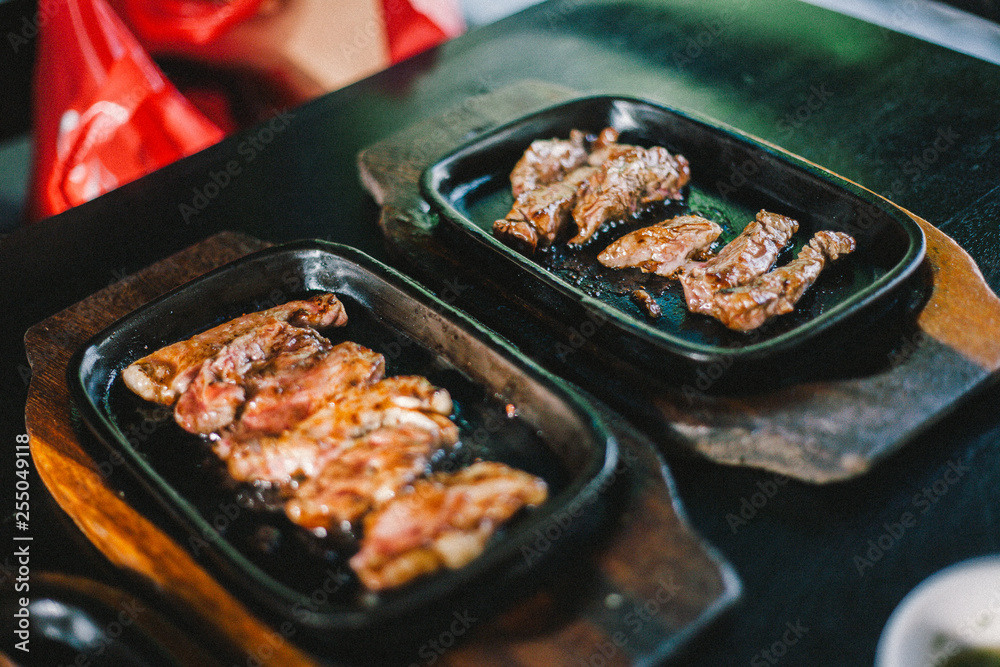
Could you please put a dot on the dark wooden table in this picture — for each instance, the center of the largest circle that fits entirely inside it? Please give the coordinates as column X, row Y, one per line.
column 916, row 123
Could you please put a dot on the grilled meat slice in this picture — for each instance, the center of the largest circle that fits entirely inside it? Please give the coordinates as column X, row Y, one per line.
column 285, row 392
column 647, row 303
column 539, row 216
column 164, row 375
column 403, row 399
column 272, row 378
column 749, row 255
column 303, row 450
column 549, row 160
column 662, row 248
column 220, row 388
column 624, row 183
column 775, row 293
column 546, row 182
column 443, row 522
column 364, row 475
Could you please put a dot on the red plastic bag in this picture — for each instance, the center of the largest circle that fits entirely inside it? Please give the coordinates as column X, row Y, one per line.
column 412, row 26
column 104, row 112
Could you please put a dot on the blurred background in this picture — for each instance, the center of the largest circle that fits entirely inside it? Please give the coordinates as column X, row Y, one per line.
column 969, row 26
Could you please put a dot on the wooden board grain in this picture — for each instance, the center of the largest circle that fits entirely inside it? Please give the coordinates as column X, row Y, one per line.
column 817, row 431
column 623, row 604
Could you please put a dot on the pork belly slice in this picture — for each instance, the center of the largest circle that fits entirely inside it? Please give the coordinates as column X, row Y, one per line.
column 662, row 248
column 775, row 293
column 272, row 378
column 164, row 375
column 285, row 391
column 749, row 255
column 625, row 183
column 444, row 521
column 302, row 451
column 364, row 475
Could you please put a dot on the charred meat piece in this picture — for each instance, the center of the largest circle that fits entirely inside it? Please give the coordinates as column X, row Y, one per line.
column 272, row 378
column 749, row 255
column 220, row 388
column 364, row 475
column 266, row 459
column 775, row 293
column 539, row 216
column 287, row 390
column 443, row 522
column 399, row 400
column 164, row 375
column 662, row 248
column 547, row 161
column 302, row 451
column 647, row 303
column 625, row 183
column 546, row 183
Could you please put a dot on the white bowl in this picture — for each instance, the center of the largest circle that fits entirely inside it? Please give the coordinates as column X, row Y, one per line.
column 954, row 609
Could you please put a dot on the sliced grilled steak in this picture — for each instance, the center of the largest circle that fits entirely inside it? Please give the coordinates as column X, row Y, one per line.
column 663, row 248
column 625, row 183
column 539, row 216
column 749, row 255
column 775, row 293
column 546, row 183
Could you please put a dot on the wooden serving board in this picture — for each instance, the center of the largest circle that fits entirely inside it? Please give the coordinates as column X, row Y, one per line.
column 649, row 585
column 818, row 432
